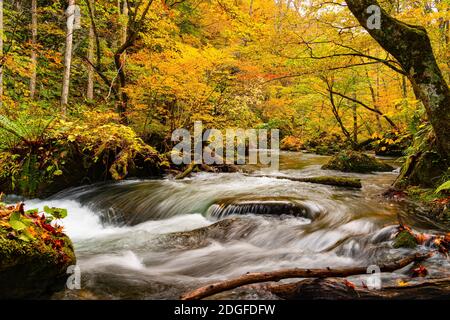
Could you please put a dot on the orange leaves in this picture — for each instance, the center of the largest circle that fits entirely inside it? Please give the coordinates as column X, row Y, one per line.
column 439, row 242
column 349, row 284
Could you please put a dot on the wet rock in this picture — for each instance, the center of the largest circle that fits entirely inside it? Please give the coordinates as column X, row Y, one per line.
column 223, row 230
column 261, row 206
column 352, row 161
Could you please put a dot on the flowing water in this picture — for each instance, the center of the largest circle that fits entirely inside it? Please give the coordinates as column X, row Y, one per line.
column 155, row 239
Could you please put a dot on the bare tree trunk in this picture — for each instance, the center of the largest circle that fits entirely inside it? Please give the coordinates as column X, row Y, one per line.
column 411, row 46
column 374, row 101
column 133, row 28
column 1, row 53
column 90, row 85
column 70, row 13
column 355, row 120
column 34, row 26
column 125, row 17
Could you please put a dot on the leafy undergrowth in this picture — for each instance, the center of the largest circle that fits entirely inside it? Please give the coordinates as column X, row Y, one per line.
column 34, row 252
column 60, row 154
column 40, row 229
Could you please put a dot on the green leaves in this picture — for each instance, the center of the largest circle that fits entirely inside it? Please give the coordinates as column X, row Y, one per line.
column 20, row 225
column 16, row 222
column 442, row 187
column 57, row 213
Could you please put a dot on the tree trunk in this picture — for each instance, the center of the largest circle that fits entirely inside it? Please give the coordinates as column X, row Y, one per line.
column 90, row 85
column 70, row 13
column 1, row 53
column 34, row 26
column 411, row 46
column 119, row 60
column 124, row 25
column 355, row 120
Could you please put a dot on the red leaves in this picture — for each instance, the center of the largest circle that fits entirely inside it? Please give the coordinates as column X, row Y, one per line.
column 443, row 201
column 349, row 284
column 420, row 271
column 440, row 242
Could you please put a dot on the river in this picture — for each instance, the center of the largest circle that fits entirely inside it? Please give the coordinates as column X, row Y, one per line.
column 156, row 239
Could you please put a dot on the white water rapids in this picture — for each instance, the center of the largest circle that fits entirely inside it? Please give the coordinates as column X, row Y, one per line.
column 138, row 239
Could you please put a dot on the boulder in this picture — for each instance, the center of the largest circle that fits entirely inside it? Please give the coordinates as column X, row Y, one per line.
column 352, row 161
column 34, row 260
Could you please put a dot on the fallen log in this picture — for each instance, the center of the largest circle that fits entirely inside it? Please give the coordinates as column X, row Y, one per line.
column 326, row 180
column 187, row 171
column 338, row 289
column 258, row 277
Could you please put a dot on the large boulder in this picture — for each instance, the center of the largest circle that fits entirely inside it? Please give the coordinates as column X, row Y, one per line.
column 352, row 161
column 34, row 255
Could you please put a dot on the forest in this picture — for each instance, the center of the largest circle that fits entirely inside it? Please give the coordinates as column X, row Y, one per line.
column 91, row 92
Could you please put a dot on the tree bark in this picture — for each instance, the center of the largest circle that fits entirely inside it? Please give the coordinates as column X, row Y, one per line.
column 91, row 47
column 355, row 119
column 258, row 277
column 411, row 46
column 34, row 26
column 68, row 56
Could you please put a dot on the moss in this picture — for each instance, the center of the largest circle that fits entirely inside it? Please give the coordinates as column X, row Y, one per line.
column 34, row 268
column 335, row 181
column 405, row 240
column 422, row 169
column 352, row 161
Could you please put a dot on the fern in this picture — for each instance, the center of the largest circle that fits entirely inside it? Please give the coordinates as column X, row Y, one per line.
column 445, row 186
column 26, row 131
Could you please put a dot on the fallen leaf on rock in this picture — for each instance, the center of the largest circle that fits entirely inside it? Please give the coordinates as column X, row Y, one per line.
column 420, row 271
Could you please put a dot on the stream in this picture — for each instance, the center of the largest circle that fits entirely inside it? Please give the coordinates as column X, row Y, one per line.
column 156, row 239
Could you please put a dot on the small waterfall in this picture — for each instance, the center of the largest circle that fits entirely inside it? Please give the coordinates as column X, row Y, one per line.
column 262, row 206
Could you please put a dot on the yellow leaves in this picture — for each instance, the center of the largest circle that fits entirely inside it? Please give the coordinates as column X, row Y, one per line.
column 376, row 135
column 4, row 224
column 402, row 283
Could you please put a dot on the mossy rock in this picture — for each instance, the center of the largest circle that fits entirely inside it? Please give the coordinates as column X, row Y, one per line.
column 424, row 169
column 405, row 240
column 33, row 258
column 352, row 161
column 32, row 269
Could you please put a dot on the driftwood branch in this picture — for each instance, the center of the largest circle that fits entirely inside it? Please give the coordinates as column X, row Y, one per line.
column 337, row 289
column 326, row 180
column 258, row 277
